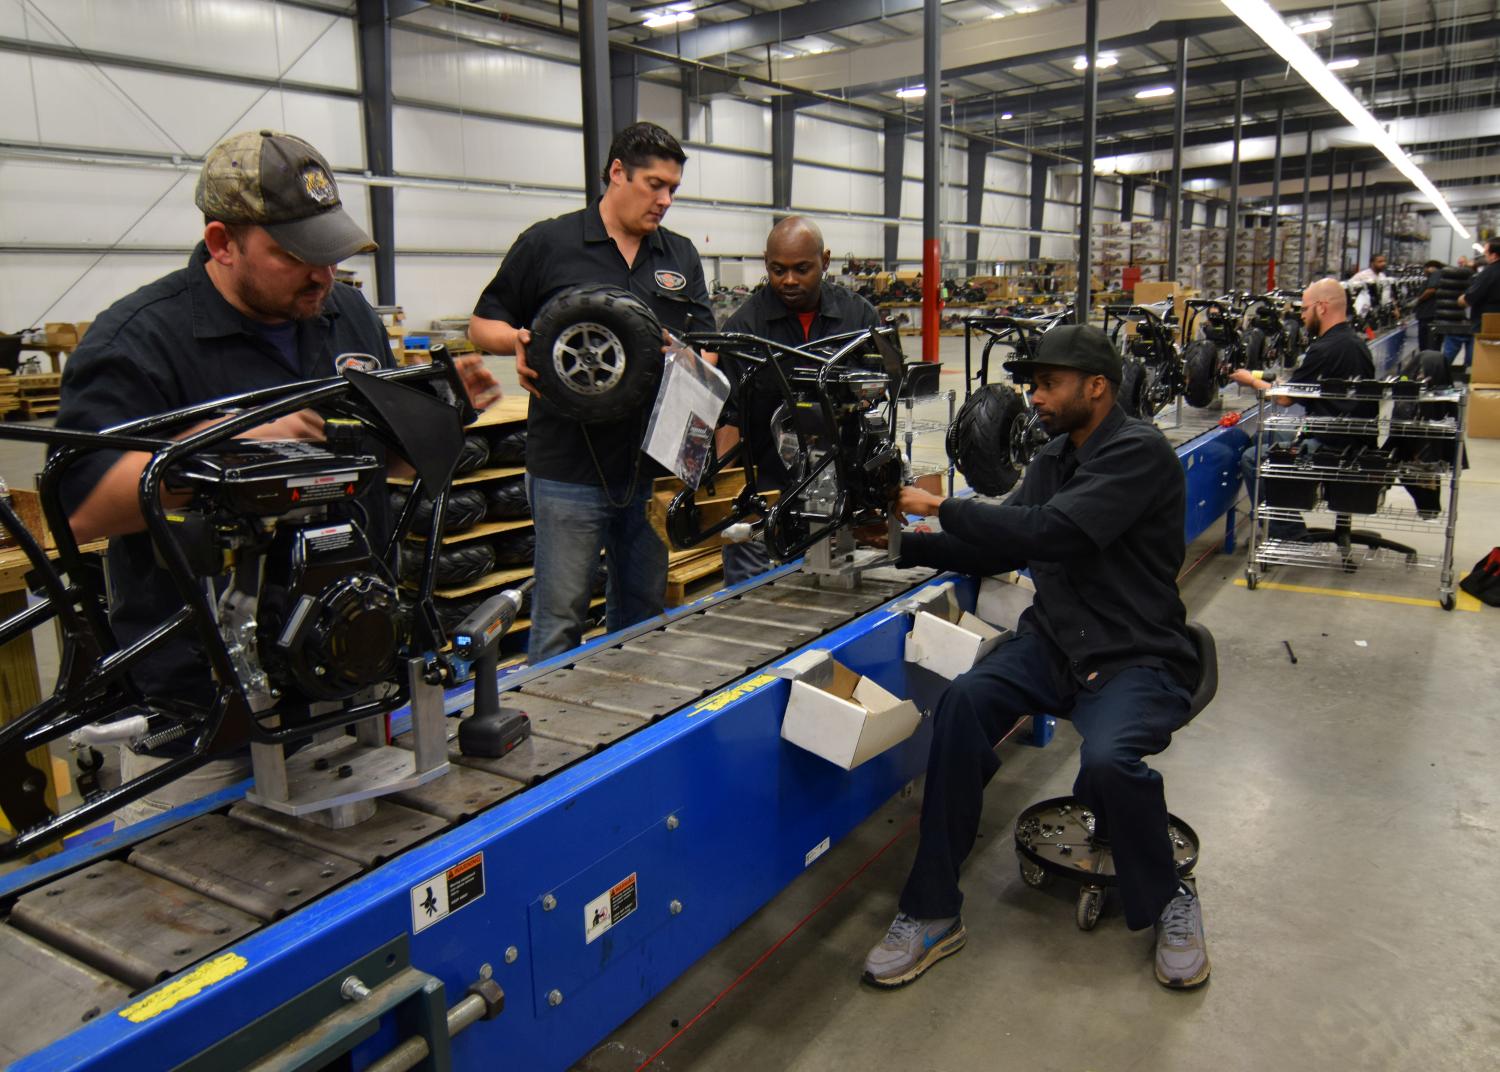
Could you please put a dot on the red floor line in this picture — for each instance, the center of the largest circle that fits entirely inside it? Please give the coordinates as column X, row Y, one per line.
column 840, row 888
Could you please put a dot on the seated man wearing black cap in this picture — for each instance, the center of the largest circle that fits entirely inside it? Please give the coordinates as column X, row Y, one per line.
column 256, row 306
column 1098, row 521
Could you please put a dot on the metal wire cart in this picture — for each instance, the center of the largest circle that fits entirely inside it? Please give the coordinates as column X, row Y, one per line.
column 1347, row 466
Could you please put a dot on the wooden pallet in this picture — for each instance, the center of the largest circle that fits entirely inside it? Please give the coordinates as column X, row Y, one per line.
column 693, row 566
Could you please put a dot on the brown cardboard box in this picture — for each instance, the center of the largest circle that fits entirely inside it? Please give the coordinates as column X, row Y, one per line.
column 1486, row 361
column 1484, row 411
column 61, row 334
column 1148, row 292
column 1490, row 324
column 82, row 328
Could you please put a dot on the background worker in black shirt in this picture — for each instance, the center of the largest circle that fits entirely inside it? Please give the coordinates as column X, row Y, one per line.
column 1425, row 309
column 256, row 306
column 589, row 486
column 1336, row 352
column 795, row 305
column 1483, row 295
column 1098, row 520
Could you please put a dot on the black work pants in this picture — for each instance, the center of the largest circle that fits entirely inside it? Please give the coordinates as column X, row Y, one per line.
column 1425, row 337
column 1133, row 715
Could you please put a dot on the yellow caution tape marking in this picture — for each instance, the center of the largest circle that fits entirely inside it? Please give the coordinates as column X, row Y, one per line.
column 728, row 696
column 1465, row 601
column 179, row 990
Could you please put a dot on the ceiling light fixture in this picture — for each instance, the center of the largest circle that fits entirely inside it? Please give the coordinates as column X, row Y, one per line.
column 1154, row 91
column 1269, row 27
column 1006, row 115
column 1343, row 64
column 910, row 92
column 1106, row 59
column 670, row 17
column 1312, row 26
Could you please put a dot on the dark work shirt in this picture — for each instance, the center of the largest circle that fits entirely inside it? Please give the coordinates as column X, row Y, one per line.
column 574, row 250
column 1339, row 353
column 171, row 344
column 1427, row 310
column 1483, row 295
column 1101, row 529
column 766, row 315
column 284, row 338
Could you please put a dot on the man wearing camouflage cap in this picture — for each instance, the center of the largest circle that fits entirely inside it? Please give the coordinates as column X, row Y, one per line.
column 1098, row 522
column 256, row 306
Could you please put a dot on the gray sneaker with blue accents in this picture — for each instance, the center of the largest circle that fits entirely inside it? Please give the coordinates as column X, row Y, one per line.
column 1181, row 951
column 910, row 947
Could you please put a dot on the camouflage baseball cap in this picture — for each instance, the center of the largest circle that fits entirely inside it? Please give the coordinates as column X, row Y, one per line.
column 283, row 184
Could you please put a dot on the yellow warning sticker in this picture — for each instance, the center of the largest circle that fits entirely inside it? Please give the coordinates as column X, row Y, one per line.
column 728, row 696
column 179, row 990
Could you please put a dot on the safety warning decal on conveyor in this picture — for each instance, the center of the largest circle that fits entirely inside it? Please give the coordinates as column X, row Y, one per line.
column 609, row 908
column 728, row 696
column 446, row 892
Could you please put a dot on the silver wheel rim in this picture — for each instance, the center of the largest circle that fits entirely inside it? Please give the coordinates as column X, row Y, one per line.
column 589, row 358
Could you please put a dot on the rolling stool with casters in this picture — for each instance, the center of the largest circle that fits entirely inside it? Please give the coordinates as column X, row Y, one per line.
column 1055, row 838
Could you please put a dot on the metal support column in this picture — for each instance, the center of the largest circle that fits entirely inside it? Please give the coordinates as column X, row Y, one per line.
column 783, row 144
column 932, row 177
column 1127, row 198
column 1086, row 173
column 1038, row 205
column 1359, row 233
column 624, row 89
column 1187, row 213
column 377, row 100
column 1182, row 215
column 594, row 72
column 979, row 158
column 1330, row 266
column 1231, row 237
column 1349, row 204
column 1307, row 169
column 895, row 170
column 1275, row 199
column 1158, row 204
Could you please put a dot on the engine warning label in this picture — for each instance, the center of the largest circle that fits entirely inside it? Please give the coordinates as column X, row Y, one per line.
column 609, row 908
column 446, row 892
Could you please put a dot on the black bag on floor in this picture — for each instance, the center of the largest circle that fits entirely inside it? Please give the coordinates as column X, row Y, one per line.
column 509, row 448
column 1483, row 581
column 507, row 499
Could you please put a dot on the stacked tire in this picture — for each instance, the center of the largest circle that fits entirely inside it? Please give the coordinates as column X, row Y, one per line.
column 1452, row 318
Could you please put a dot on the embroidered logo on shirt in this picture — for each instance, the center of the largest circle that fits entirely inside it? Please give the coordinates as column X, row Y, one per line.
column 671, row 280
column 357, row 362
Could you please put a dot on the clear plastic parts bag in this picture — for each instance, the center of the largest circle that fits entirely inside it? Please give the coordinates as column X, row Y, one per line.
column 688, row 403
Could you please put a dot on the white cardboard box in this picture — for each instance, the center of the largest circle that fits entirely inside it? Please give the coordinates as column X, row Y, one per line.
column 1003, row 599
column 945, row 639
column 840, row 715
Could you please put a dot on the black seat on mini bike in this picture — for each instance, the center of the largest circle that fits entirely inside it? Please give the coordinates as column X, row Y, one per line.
column 1065, row 818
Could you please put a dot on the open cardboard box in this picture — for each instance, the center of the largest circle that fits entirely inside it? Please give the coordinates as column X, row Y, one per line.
column 946, row 639
column 840, row 715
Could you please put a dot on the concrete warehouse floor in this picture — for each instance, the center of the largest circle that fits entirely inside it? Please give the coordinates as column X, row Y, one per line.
column 1351, row 830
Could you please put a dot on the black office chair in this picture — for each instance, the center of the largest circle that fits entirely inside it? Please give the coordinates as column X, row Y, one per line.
column 1055, row 838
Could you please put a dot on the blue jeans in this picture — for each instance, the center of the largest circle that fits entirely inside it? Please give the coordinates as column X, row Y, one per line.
column 574, row 522
column 1133, row 715
column 1451, row 343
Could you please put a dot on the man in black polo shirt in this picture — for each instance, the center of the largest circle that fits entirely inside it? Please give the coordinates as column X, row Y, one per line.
column 1483, row 294
column 1425, row 308
column 1336, row 352
column 795, row 305
column 589, row 486
column 1098, row 520
column 256, row 306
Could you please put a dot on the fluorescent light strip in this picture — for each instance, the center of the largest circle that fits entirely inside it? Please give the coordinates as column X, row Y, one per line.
column 1154, row 91
column 1343, row 64
column 1269, row 27
column 911, row 91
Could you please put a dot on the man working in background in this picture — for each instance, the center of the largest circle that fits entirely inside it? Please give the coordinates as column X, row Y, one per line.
column 1425, row 309
column 589, row 485
column 1337, row 351
column 1483, row 294
column 795, row 305
column 255, row 307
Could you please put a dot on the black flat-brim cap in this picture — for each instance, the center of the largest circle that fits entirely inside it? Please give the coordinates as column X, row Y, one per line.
column 1075, row 346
